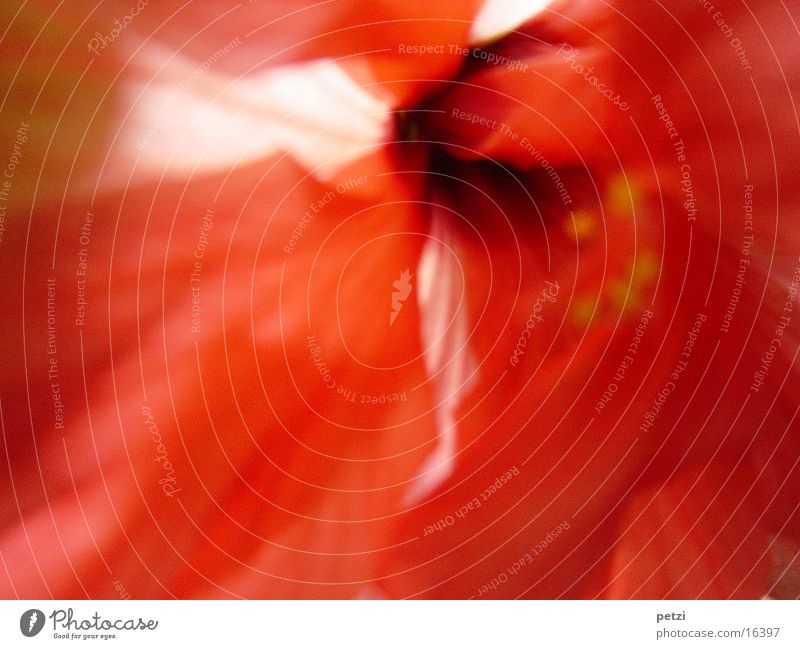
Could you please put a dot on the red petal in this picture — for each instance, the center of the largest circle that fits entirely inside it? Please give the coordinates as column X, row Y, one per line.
column 278, row 483
column 702, row 535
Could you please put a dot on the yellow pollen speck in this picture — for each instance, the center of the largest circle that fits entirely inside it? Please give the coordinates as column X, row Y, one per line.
column 622, row 195
column 642, row 273
column 646, row 267
column 581, row 225
column 581, row 311
column 619, row 294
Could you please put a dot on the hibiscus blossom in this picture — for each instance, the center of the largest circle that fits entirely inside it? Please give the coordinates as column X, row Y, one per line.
column 473, row 299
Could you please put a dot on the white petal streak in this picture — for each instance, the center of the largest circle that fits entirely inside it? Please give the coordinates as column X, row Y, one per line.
column 445, row 334
column 498, row 17
column 185, row 119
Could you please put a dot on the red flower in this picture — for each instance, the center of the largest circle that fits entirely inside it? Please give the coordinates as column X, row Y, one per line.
column 432, row 301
